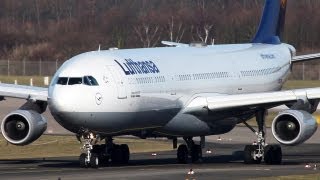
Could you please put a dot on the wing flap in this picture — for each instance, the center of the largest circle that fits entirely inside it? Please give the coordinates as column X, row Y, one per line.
column 23, row 92
column 313, row 93
column 202, row 103
column 234, row 101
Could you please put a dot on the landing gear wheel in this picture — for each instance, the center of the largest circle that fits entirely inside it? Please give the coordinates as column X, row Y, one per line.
column 182, row 154
column 103, row 157
column 249, row 155
column 196, row 153
column 94, row 160
column 125, row 153
column 273, row 154
column 277, row 154
column 82, row 160
column 116, row 155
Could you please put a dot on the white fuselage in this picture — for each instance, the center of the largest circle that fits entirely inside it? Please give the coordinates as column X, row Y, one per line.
column 144, row 90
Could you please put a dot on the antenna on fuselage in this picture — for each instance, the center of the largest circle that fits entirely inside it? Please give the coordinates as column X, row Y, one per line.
column 99, row 47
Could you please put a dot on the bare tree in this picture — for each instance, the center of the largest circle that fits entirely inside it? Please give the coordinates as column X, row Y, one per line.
column 148, row 35
column 175, row 32
column 203, row 27
column 37, row 6
column 205, row 34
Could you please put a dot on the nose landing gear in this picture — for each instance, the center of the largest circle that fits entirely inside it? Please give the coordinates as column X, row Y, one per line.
column 88, row 157
column 95, row 155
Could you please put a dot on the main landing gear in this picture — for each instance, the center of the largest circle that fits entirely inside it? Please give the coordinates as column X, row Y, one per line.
column 253, row 154
column 190, row 149
column 95, row 155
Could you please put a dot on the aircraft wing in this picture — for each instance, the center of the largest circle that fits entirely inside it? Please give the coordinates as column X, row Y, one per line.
column 252, row 100
column 23, row 92
column 306, row 57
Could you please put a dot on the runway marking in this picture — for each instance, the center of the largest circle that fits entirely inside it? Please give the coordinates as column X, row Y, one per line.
column 26, row 168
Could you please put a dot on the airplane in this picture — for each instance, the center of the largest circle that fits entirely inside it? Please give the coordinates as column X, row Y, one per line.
column 178, row 91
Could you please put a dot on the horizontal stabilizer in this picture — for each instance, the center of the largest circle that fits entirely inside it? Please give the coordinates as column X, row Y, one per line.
column 306, row 57
column 169, row 43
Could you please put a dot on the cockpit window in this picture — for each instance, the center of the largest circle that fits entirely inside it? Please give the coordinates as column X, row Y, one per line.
column 75, row 80
column 90, row 81
column 87, row 80
column 62, row 80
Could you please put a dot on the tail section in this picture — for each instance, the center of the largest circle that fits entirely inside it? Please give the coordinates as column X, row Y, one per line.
column 272, row 22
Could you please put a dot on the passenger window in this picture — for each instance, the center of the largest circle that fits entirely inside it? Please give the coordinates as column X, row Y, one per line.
column 62, row 81
column 73, row 81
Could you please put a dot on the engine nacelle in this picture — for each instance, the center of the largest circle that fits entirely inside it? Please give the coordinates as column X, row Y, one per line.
column 22, row 127
column 293, row 127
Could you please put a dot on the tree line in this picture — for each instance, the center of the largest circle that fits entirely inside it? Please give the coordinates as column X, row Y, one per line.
column 60, row 29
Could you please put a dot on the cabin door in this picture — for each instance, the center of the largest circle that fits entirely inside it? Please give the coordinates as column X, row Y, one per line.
column 119, row 81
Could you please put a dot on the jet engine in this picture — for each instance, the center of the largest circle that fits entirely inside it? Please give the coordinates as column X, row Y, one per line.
column 293, row 127
column 22, row 127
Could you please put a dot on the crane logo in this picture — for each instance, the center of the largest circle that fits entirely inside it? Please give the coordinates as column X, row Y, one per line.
column 98, row 98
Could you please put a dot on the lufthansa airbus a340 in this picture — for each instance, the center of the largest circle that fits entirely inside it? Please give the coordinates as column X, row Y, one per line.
column 179, row 91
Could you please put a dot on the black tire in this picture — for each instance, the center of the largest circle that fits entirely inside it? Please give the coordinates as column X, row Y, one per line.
column 103, row 156
column 116, row 155
column 273, row 154
column 96, row 149
column 277, row 155
column 101, row 151
column 249, row 151
column 182, row 154
column 268, row 154
column 196, row 153
column 82, row 160
column 94, row 160
column 125, row 153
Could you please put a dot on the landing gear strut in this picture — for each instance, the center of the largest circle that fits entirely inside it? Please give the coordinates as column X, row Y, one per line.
column 88, row 158
column 95, row 155
column 190, row 149
column 254, row 153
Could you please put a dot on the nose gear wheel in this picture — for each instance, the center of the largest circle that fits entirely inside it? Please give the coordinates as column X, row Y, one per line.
column 95, row 155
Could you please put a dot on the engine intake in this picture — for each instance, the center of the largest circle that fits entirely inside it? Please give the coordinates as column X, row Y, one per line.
column 293, row 127
column 22, row 127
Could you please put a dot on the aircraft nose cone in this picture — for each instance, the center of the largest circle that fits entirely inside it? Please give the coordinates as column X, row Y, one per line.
column 59, row 101
column 20, row 126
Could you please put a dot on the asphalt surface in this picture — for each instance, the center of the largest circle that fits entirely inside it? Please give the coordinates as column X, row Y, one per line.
column 224, row 161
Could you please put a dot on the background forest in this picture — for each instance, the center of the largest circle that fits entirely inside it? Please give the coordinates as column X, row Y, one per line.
column 60, row 29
